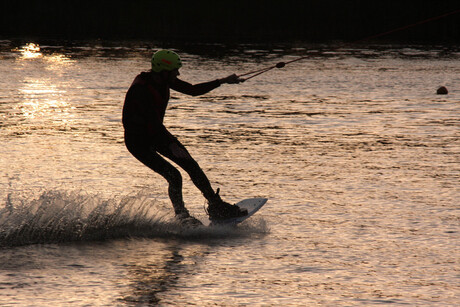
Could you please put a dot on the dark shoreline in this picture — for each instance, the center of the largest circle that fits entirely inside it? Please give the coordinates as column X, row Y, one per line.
column 234, row 21
column 228, row 51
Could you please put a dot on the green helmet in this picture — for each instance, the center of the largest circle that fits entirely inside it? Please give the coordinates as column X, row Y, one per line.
column 165, row 60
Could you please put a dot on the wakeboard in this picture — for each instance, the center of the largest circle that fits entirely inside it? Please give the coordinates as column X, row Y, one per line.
column 251, row 204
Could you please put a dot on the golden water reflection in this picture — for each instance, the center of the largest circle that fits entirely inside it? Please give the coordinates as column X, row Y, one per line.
column 42, row 97
column 30, row 51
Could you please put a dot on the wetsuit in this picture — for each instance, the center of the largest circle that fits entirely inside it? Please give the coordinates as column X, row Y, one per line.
column 149, row 141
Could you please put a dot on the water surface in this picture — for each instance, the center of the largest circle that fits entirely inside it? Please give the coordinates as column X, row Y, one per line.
column 357, row 154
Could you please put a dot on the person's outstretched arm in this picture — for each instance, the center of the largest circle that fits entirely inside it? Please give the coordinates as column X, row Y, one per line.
column 202, row 88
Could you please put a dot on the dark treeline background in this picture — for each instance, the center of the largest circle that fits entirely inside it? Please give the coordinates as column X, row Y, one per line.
column 231, row 21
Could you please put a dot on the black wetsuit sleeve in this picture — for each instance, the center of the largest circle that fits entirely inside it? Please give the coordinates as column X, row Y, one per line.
column 196, row 89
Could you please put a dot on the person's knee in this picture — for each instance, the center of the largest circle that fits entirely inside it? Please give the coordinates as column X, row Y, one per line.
column 194, row 164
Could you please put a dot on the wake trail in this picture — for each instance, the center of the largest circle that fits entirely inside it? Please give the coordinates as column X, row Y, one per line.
column 60, row 216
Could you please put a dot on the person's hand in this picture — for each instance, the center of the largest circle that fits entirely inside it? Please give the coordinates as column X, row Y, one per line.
column 232, row 79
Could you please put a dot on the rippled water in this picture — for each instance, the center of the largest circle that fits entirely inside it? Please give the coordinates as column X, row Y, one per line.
column 357, row 154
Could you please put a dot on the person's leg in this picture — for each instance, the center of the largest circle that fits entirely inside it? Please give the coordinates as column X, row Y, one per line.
column 148, row 156
column 217, row 209
column 177, row 153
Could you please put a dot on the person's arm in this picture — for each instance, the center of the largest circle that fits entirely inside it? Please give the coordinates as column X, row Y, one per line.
column 202, row 88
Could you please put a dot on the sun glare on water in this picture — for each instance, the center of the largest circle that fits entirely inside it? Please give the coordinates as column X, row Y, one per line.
column 42, row 97
column 30, row 51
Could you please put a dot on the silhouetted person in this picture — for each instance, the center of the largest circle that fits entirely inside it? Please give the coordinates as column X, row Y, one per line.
column 150, row 142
